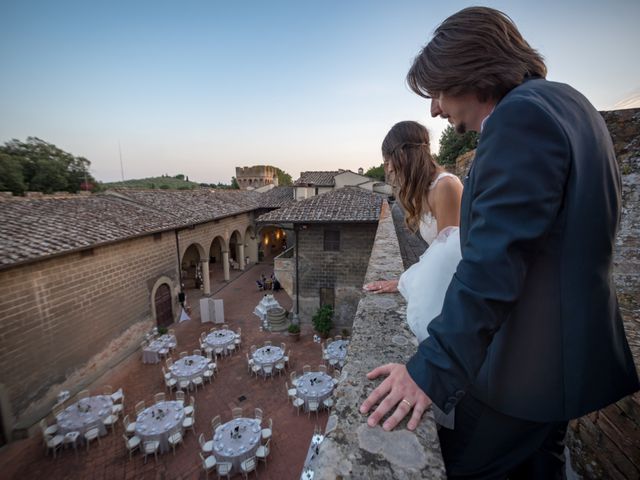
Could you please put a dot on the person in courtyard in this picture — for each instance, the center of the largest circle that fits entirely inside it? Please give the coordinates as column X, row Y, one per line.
column 530, row 334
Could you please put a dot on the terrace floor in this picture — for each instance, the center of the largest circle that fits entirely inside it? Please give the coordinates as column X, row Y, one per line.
column 25, row 459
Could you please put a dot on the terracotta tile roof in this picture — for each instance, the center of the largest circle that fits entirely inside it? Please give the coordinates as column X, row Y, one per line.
column 320, row 179
column 195, row 206
column 276, row 197
column 33, row 228
column 350, row 204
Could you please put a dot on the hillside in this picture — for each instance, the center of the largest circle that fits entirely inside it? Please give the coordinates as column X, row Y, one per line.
column 177, row 182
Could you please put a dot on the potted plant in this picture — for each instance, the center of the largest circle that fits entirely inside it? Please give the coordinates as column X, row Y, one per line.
column 294, row 331
column 345, row 333
column 323, row 320
column 162, row 330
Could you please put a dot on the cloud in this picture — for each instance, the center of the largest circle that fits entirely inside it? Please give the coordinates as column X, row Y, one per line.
column 630, row 101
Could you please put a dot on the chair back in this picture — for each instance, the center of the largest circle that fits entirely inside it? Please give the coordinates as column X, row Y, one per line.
column 158, row 397
column 107, row 390
column 197, row 351
column 268, row 343
column 215, row 423
column 258, row 413
column 306, row 368
column 169, row 362
column 83, row 394
column 337, row 337
column 236, row 412
column 180, row 396
column 139, row 407
column 283, row 346
column 183, row 354
column 322, row 368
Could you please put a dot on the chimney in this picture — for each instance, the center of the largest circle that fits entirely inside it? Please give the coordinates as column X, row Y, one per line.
column 360, row 171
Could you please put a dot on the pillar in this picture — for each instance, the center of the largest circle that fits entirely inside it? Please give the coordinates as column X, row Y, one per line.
column 225, row 265
column 241, row 255
column 205, row 277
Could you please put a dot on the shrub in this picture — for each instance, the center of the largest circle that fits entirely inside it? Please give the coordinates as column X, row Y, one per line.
column 323, row 320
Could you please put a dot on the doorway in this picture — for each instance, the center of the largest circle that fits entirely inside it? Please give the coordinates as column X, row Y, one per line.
column 164, row 304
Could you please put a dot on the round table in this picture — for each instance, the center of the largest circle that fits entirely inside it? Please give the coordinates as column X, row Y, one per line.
column 159, row 422
column 237, row 440
column 220, row 339
column 189, row 367
column 150, row 352
column 269, row 355
column 84, row 415
column 314, row 385
column 337, row 350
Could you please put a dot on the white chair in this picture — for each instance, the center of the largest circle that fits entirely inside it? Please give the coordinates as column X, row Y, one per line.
column 140, row 406
column 174, row 439
column 322, row 368
column 280, row 367
column 48, row 430
column 151, row 448
column 198, row 352
column 219, row 352
column 215, row 423
column 129, row 427
column 117, row 409
column 184, row 385
column 183, row 354
column 197, row 382
column 306, row 369
column 180, row 397
column 267, row 431
column 236, row 412
column 258, row 414
column 208, row 463
column 132, row 444
column 248, row 466
column 313, row 406
column 189, row 423
column 208, row 375
column 54, row 443
column 231, row 348
column 190, row 409
column 159, row 397
column 250, row 362
column 110, row 421
column 297, row 403
column 71, row 438
column 223, row 469
column 263, row 452
column 291, row 392
column 328, row 403
column 256, row 369
column 90, row 435
column 267, row 371
column 206, row 447
column 170, row 383
column 293, row 376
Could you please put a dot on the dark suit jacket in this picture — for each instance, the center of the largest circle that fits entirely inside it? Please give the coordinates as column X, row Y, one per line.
column 530, row 323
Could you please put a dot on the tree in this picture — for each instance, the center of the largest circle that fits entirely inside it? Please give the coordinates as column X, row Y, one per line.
column 234, row 183
column 283, row 177
column 453, row 144
column 45, row 167
column 11, row 177
column 376, row 172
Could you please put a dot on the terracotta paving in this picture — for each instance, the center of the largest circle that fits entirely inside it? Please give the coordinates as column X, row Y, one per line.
column 25, row 459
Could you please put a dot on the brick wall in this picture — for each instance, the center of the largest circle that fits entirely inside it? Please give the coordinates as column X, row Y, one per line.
column 343, row 270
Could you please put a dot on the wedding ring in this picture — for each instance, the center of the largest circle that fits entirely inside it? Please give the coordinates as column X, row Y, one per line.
column 404, row 400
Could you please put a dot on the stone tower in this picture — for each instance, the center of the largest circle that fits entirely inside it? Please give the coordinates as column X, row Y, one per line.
column 257, row 176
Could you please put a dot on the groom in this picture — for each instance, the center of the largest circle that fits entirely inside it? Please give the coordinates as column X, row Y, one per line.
column 530, row 334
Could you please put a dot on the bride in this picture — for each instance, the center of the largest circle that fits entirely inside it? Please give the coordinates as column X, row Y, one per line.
column 430, row 198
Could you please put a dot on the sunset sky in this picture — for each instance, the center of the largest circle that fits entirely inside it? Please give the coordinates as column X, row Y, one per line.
column 200, row 87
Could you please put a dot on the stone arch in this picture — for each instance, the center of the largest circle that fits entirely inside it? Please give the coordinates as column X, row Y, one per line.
column 217, row 247
column 190, row 264
column 235, row 243
column 170, row 284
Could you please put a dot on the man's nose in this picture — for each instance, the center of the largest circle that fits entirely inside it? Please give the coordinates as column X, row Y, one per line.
column 435, row 108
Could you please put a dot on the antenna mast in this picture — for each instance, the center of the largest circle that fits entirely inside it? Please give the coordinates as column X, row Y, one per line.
column 121, row 167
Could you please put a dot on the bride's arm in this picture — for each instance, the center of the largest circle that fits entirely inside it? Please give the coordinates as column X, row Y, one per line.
column 445, row 202
column 382, row 286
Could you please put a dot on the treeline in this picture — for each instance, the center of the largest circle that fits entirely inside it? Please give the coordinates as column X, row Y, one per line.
column 38, row 166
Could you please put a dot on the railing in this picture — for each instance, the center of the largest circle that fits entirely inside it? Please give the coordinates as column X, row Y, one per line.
column 351, row 449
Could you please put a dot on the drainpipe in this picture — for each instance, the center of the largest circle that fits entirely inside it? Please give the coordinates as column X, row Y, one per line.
column 296, row 231
column 179, row 267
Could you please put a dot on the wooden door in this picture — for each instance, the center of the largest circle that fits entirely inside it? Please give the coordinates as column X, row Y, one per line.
column 164, row 312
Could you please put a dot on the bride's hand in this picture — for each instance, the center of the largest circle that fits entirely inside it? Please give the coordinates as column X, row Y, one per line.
column 382, row 286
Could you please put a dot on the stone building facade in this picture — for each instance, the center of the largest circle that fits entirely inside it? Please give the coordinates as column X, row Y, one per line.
column 249, row 178
column 82, row 279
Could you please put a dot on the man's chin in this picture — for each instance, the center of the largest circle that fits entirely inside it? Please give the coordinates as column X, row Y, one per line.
column 461, row 128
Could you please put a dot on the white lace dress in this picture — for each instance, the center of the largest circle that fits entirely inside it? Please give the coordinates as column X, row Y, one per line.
column 425, row 283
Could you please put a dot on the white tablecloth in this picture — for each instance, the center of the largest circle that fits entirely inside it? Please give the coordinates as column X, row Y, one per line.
column 337, row 350
column 189, row 367
column 314, row 385
column 220, row 338
column 268, row 355
column 150, row 352
column 159, row 422
column 85, row 414
column 234, row 446
column 314, row 447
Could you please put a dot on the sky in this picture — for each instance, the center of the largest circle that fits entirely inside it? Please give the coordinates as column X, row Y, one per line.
column 201, row 87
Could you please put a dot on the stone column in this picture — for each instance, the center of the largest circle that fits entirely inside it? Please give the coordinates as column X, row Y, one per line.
column 225, row 265
column 205, row 277
column 241, row 256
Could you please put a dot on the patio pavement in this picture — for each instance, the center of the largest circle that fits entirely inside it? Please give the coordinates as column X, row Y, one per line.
column 25, row 459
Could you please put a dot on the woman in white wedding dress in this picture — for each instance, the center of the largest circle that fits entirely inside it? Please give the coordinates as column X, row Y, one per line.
column 430, row 198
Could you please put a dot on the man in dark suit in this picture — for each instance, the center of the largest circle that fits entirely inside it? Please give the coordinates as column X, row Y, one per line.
column 530, row 334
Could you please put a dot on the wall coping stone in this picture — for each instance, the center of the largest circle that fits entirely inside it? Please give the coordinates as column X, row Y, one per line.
column 351, row 449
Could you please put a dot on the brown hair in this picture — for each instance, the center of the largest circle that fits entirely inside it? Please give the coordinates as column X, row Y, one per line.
column 406, row 150
column 477, row 50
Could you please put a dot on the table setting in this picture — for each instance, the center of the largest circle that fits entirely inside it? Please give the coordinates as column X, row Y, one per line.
column 337, row 350
column 159, row 422
column 150, row 352
column 237, row 440
column 268, row 355
column 314, row 386
column 189, row 367
column 220, row 338
column 85, row 414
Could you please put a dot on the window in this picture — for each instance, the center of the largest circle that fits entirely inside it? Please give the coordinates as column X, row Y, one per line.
column 327, row 296
column 332, row 240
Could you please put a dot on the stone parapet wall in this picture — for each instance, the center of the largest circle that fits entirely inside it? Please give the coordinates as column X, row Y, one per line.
column 351, row 449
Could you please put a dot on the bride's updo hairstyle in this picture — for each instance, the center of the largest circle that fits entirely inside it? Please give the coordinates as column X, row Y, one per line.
column 406, row 153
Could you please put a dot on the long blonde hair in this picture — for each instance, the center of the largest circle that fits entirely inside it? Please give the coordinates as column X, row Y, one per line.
column 406, row 149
